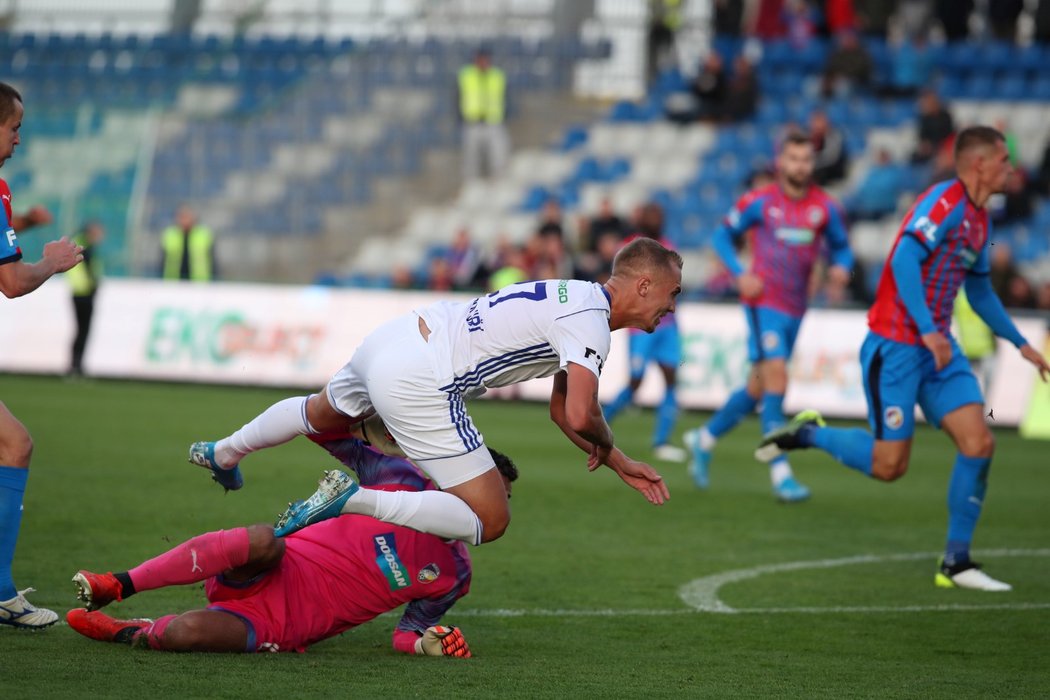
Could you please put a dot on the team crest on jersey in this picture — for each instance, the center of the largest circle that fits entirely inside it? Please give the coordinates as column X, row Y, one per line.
column 815, row 215
column 893, row 417
column 428, row 574
column 770, row 340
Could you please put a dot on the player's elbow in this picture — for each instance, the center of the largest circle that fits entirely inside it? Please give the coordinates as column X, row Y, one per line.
column 11, row 291
column 579, row 419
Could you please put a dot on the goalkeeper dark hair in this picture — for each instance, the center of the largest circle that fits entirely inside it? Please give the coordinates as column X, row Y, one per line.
column 8, row 97
column 506, row 467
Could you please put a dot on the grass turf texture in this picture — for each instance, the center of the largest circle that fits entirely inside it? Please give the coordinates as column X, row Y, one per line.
column 110, row 486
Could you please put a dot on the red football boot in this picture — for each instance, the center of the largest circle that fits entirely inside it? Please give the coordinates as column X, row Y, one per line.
column 103, row 628
column 97, row 590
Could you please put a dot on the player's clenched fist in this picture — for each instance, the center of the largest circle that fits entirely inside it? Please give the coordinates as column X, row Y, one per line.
column 442, row 641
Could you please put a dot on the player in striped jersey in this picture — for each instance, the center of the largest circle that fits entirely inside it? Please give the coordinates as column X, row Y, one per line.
column 416, row 371
column 790, row 222
column 910, row 357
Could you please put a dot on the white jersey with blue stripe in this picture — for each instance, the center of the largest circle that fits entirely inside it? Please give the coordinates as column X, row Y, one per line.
column 521, row 332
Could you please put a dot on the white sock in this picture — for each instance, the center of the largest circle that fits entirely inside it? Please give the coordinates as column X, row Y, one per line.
column 275, row 426
column 778, row 471
column 707, row 440
column 434, row 512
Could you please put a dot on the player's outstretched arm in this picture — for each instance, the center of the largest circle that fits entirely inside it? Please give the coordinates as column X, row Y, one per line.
column 1036, row 358
column 19, row 278
column 987, row 305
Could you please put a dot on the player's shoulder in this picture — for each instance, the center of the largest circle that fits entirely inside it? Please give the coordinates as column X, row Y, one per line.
column 943, row 197
column 4, row 189
column 821, row 196
column 757, row 194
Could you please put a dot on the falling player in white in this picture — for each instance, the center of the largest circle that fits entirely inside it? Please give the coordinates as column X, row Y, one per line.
column 416, row 370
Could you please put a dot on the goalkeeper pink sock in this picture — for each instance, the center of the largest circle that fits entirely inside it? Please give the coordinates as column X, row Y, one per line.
column 277, row 425
column 195, row 560
column 154, row 634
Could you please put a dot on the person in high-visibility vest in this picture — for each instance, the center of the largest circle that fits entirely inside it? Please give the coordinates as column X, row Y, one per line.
column 188, row 249
column 83, row 282
column 976, row 339
column 483, row 109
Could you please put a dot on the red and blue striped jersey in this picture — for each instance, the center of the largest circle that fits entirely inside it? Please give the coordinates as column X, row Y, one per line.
column 9, row 250
column 954, row 232
column 787, row 237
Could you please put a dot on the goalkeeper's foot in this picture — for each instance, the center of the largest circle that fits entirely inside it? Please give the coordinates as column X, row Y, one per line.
column 333, row 491
column 96, row 590
column 203, row 455
column 103, row 628
column 788, row 437
column 19, row 612
column 967, row 574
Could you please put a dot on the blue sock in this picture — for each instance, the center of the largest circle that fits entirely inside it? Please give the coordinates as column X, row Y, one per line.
column 737, row 407
column 666, row 415
column 850, row 446
column 772, row 412
column 965, row 498
column 611, row 410
column 12, row 486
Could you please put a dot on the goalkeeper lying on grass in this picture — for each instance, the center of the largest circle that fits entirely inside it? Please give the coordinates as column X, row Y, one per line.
column 283, row 594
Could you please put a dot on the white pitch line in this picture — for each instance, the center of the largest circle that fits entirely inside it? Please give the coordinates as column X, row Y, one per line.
column 702, row 594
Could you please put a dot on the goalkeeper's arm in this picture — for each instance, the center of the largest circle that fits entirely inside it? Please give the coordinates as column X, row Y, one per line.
column 438, row 640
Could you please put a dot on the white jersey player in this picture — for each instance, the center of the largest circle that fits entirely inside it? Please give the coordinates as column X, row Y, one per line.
column 416, row 370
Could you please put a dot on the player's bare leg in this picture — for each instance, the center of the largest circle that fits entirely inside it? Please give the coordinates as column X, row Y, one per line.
column 889, row 459
column 199, row 630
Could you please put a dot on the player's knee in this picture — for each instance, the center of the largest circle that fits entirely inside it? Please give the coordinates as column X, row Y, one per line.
column 264, row 549
column 184, row 633
column 889, row 469
column 493, row 525
column 16, row 450
column 979, row 444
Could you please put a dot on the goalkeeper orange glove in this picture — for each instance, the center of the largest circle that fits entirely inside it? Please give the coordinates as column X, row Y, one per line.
column 443, row 641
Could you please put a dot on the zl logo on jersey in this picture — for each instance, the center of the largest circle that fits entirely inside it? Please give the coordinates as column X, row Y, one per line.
column 926, row 227
column 599, row 358
column 12, row 240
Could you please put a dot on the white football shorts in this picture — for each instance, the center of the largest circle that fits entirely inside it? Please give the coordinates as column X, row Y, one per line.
column 391, row 372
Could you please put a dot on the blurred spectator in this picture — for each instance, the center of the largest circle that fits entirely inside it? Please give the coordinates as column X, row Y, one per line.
column 954, row 16
column 551, row 219
column 1042, row 297
column 800, row 21
column 769, row 19
column 83, row 282
column 188, row 249
column 605, row 222
column 513, row 270
column 1002, row 267
column 873, row 16
column 728, row 17
column 829, row 146
column 848, row 68
column 1010, row 137
column 550, row 259
column 1016, row 200
column 935, row 126
column 482, row 108
column 1019, row 293
column 910, row 70
column 913, row 17
column 1042, row 177
column 840, row 16
column 439, row 275
column 665, row 18
column 877, row 194
column 1042, row 22
column 464, row 260
column 742, row 96
column 1002, row 18
column 402, row 277
column 707, row 93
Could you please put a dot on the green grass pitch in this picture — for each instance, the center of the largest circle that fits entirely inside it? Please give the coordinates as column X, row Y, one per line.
column 591, row 571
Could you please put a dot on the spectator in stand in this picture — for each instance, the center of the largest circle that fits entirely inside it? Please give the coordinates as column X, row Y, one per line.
column 1003, row 125
column 606, row 221
column 742, row 95
column 800, row 22
column 829, row 146
column 1042, row 22
column 1019, row 294
column 464, row 260
column 1042, row 297
column 551, row 219
column 910, row 69
column 839, row 16
column 1002, row 18
column 849, row 67
column 551, row 259
column 402, row 277
column 877, row 194
column 439, row 275
column 514, row 269
column 913, row 17
column 728, row 17
column 707, row 92
column 665, row 18
column 1016, row 200
column 935, row 126
column 1042, row 176
column 954, row 16
column 873, row 16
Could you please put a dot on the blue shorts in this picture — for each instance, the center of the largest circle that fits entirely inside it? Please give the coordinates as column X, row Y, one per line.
column 772, row 334
column 899, row 375
column 663, row 346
